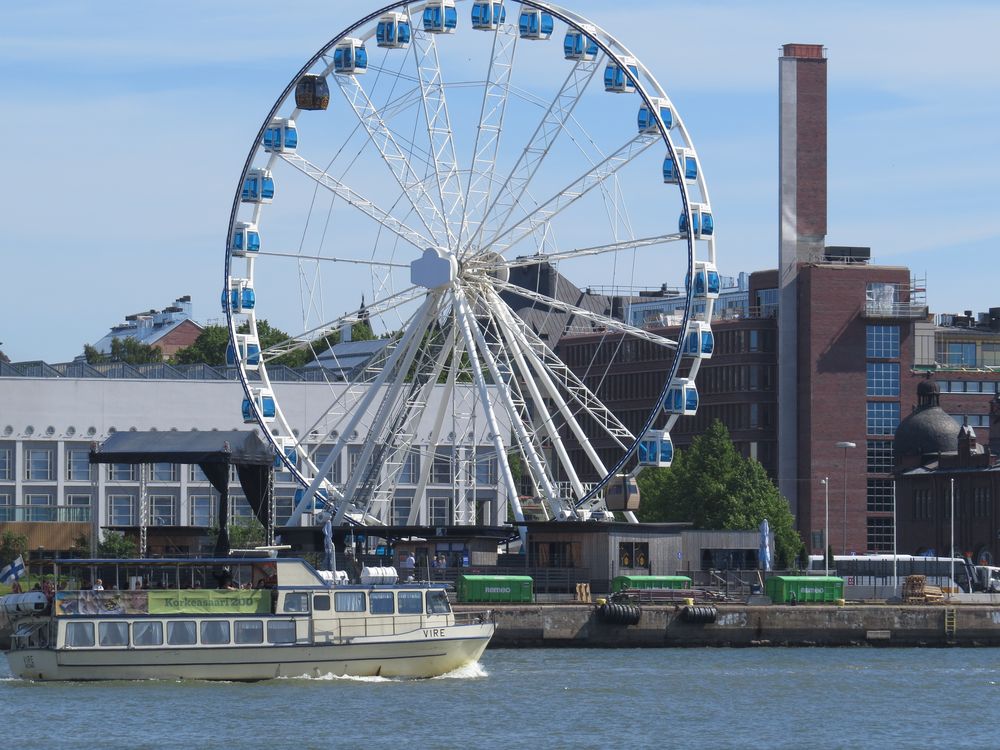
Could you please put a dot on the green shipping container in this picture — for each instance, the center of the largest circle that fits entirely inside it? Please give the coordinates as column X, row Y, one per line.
column 495, row 589
column 786, row 589
column 650, row 582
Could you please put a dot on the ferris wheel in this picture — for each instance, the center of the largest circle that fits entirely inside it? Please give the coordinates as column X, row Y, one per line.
column 454, row 216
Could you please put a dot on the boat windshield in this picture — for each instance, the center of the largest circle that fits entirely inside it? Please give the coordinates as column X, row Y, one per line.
column 437, row 602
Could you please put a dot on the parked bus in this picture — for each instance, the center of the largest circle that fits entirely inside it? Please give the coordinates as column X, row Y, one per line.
column 876, row 571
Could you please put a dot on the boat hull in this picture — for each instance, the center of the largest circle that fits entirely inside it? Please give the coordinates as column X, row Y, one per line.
column 449, row 649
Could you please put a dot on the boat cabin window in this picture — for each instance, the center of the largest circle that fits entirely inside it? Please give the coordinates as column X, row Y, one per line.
column 411, row 603
column 349, row 601
column 321, row 602
column 296, row 602
column 147, row 633
column 281, row 631
column 382, row 603
column 79, row 634
column 437, row 602
column 113, row 633
column 214, row 632
column 249, row 631
column 182, row 633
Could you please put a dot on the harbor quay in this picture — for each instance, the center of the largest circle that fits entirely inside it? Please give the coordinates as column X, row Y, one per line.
column 742, row 625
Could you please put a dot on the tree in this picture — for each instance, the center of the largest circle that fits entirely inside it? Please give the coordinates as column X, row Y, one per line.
column 129, row 350
column 714, row 487
column 116, row 545
column 209, row 348
column 11, row 546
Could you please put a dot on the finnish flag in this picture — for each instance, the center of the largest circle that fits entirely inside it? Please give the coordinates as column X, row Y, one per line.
column 13, row 571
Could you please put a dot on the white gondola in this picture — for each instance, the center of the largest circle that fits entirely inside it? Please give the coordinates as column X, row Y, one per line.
column 241, row 296
column 247, row 352
column 616, row 76
column 579, row 44
column 535, row 24
column 286, row 448
column 350, row 57
column 393, row 31
column 682, row 398
column 264, row 401
column 648, row 117
column 281, row 136
column 656, row 449
column 701, row 216
column 707, row 283
column 686, row 162
column 488, row 16
column 258, row 187
column 246, row 239
column 440, row 17
column 699, row 341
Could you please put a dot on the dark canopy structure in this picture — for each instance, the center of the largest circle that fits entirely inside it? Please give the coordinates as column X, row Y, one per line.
column 214, row 452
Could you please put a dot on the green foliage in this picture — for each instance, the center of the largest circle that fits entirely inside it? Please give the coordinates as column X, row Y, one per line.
column 129, row 350
column 12, row 545
column 714, row 487
column 116, row 545
column 209, row 348
column 246, row 533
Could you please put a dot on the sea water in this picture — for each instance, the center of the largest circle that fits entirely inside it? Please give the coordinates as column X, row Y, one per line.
column 586, row 698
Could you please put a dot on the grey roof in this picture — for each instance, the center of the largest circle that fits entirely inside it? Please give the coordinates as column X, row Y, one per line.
column 222, row 446
column 927, row 431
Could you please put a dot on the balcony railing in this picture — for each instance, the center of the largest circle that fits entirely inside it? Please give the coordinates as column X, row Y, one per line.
column 44, row 514
column 906, row 310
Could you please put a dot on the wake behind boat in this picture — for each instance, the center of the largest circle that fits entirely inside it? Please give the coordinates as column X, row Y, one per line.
column 264, row 618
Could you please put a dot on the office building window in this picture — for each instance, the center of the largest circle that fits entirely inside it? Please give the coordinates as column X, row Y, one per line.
column 883, row 379
column 960, row 353
column 164, row 473
column 202, row 510
column 78, row 466
column 441, row 468
column 121, row 472
column 880, row 496
column 7, row 509
column 990, row 354
column 880, row 535
column 239, row 507
column 882, row 417
column 120, row 509
column 38, row 464
column 401, row 505
column 409, row 473
column 79, row 508
column 486, row 470
column 40, row 507
column 439, row 509
column 6, row 464
column 162, row 510
column 882, row 342
column 195, row 474
column 879, row 456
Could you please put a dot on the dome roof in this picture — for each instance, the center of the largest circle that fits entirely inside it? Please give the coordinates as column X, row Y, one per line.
column 927, row 431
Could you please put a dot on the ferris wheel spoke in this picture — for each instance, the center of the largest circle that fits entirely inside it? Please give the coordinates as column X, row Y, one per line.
column 491, row 116
column 582, row 252
column 378, row 307
column 398, row 161
column 511, row 192
column 444, row 160
column 550, row 208
column 332, row 259
column 603, row 322
column 358, row 201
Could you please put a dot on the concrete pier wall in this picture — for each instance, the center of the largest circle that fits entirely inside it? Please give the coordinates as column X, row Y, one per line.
column 740, row 625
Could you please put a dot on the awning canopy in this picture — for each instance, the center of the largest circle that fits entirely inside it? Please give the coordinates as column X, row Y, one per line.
column 230, row 447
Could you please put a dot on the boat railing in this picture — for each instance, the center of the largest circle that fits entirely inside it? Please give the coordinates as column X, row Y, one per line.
column 343, row 630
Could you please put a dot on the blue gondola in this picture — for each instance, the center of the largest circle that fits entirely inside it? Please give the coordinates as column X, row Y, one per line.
column 265, row 405
column 699, row 342
column 682, row 398
column 246, row 351
column 615, row 78
column 350, row 57
column 241, row 298
column 704, row 224
column 245, row 240
column 707, row 283
column 258, row 187
column 290, row 453
column 577, row 45
column 489, row 15
column 647, row 120
column 393, row 31
column 535, row 24
column 440, row 17
column 321, row 499
column 312, row 92
column 281, row 136
column 656, row 449
column 690, row 162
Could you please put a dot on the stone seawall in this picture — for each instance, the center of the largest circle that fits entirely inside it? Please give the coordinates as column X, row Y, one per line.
column 532, row 626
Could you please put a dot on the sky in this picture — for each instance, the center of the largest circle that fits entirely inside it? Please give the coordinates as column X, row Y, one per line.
column 128, row 125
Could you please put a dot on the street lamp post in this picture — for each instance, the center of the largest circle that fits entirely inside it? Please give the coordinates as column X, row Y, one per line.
column 826, row 527
column 845, row 444
column 951, row 554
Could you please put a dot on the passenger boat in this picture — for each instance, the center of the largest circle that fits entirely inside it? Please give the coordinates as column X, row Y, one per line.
column 236, row 619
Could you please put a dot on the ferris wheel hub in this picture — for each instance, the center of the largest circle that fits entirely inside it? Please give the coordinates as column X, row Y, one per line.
column 435, row 269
